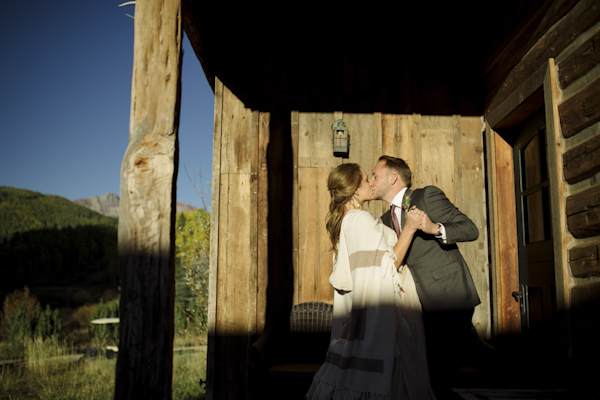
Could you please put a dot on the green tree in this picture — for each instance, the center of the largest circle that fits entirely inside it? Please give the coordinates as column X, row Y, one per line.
column 192, row 251
column 47, row 323
column 23, row 318
column 105, row 334
column 12, row 305
column 20, row 325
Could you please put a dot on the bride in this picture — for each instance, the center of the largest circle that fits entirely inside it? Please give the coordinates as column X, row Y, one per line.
column 377, row 347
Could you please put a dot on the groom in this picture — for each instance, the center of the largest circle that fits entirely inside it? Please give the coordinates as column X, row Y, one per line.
column 443, row 280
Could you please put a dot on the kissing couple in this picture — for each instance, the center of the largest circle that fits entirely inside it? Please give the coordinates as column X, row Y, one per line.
column 404, row 296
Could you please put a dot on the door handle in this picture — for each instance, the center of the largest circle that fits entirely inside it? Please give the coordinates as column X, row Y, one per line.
column 520, row 298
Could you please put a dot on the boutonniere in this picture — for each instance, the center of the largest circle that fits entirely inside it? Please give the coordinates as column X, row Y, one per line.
column 406, row 204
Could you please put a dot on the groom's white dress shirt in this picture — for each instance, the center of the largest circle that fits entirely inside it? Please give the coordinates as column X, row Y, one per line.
column 397, row 201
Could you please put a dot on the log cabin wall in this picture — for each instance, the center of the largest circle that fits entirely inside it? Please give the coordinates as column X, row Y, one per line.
column 558, row 70
column 579, row 111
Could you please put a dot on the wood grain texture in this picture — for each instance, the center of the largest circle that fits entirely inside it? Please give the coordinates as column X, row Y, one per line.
column 579, row 18
column 580, row 62
column 505, row 261
column 581, row 110
column 214, row 241
column 263, row 221
column 582, row 161
column 438, row 154
column 585, row 261
column 311, row 198
column 471, row 200
column 147, row 214
column 583, row 213
column 240, row 270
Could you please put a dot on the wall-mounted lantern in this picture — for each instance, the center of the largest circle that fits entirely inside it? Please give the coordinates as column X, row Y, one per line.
column 341, row 139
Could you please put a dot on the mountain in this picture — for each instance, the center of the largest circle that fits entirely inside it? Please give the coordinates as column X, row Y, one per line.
column 108, row 205
column 23, row 211
column 182, row 207
column 48, row 240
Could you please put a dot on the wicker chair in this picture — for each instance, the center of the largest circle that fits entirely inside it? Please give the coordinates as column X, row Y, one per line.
column 282, row 361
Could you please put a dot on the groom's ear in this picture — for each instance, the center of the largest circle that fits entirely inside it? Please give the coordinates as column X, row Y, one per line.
column 393, row 179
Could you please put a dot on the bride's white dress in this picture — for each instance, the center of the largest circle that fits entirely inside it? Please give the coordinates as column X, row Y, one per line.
column 377, row 349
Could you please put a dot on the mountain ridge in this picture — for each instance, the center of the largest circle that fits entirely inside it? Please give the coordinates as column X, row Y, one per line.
column 24, row 210
column 108, row 204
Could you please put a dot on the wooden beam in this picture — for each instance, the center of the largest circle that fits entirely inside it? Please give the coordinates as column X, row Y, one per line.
column 580, row 62
column 580, row 110
column 147, row 213
column 584, row 261
column 583, row 15
column 555, row 146
column 523, row 38
column 583, row 213
column 263, row 220
column 294, row 117
column 582, row 161
column 233, row 318
column 193, row 30
column 214, row 241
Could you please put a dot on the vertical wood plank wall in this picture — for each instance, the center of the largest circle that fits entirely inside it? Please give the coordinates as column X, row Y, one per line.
column 237, row 270
column 445, row 151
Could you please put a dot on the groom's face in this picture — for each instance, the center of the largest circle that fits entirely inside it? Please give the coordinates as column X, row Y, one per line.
column 380, row 181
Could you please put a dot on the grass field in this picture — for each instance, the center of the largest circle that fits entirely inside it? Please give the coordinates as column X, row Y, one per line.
column 52, row 371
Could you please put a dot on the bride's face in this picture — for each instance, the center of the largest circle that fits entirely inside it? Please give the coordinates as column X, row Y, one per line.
column 364, row 191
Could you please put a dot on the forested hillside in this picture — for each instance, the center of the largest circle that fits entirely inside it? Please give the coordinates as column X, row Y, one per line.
column 23, row 210
column 48, row 240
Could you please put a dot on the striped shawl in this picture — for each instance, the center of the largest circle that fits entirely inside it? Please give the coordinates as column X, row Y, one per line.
column 377, row 347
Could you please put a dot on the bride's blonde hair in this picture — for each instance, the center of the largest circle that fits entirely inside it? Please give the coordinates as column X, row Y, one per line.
column 342, row 183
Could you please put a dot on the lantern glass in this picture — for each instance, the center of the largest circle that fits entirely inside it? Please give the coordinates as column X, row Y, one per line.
column 341, row 139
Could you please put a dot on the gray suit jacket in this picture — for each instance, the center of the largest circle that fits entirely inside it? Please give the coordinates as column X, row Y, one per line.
column 441, row 274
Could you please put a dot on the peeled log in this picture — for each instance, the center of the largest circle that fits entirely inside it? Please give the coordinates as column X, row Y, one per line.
column 147, row 210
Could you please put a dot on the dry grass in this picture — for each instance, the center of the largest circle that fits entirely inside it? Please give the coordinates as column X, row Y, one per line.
column 51, row 373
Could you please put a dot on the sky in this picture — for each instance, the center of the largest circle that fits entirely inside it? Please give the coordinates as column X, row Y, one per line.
column 65, row 95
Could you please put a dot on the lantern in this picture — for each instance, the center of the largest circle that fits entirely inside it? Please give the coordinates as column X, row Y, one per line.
column 341, row 139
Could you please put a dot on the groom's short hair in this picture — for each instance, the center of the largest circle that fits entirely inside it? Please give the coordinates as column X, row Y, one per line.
column 399, row 166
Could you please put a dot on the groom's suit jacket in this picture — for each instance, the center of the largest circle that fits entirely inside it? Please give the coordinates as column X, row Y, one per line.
column 441, row 274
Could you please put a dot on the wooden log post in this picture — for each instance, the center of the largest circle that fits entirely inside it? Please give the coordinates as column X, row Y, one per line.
column 147, row 213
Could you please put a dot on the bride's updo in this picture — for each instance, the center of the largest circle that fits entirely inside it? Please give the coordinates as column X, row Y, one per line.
column 342, row 183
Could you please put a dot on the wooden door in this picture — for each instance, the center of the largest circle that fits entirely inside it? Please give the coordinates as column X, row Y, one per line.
column 534, row 232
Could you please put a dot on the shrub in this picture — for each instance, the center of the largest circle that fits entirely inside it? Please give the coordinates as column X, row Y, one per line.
column 83, row 315
column 10, row 307
column 37, row 324
column 105, row 334
column 192, row 257
column 23, row 318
